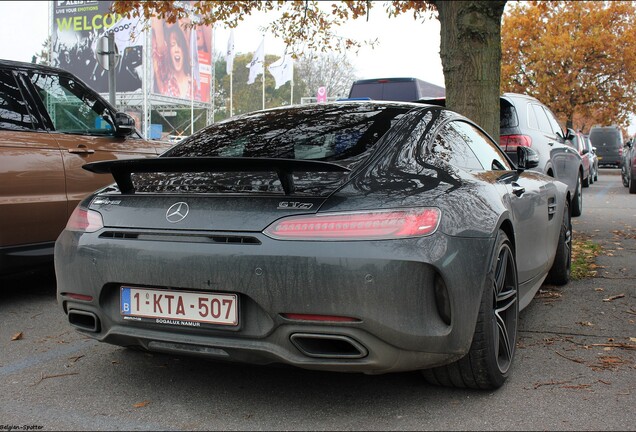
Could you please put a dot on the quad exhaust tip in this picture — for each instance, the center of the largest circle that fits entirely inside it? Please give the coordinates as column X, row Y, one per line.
column 84, row 320
column 328, row 346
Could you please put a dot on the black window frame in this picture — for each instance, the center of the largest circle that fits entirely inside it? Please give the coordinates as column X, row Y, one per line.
column 29, row 104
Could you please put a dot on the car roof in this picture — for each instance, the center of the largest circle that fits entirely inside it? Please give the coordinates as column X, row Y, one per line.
column 374, row 80
column 12, row 64
column 519, row 96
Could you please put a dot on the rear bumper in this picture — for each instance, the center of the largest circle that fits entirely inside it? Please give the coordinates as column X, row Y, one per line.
column 615, row 161
column 386, row 286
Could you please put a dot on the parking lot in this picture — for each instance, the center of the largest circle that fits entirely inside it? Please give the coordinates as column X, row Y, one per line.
column 575, row 367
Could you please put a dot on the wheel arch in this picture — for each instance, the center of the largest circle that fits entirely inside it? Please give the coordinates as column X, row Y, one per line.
column 506, row 226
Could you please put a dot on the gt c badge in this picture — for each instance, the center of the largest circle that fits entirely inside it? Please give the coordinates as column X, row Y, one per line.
column 295, row 205
column 177, row 212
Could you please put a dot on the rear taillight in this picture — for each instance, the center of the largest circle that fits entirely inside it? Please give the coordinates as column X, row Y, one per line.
column 371, row 225
column 511, row 142
column 84, row 220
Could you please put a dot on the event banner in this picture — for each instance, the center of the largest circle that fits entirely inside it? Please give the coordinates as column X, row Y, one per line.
column 181, row 60
column 76, row 27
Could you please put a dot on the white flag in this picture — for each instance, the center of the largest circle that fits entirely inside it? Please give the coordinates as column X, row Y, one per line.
column 128, row 32
column 282, row 70
column 256, row 65
column 229, row 54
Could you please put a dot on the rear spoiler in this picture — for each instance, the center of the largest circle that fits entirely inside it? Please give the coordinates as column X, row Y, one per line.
column 284, row 168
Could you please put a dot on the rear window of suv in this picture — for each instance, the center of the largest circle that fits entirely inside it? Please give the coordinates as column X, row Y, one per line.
column 610, row 136
column 508, row 115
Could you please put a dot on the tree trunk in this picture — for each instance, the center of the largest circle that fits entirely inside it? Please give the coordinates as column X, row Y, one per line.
column 471, row 57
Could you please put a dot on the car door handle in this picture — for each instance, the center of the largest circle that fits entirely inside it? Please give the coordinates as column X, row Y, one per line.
column 518, row 189
column 81, row 150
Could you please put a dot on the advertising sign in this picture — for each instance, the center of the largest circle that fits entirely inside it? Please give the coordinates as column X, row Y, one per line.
column 77, row 25
column 181, row 60
column 321, row 95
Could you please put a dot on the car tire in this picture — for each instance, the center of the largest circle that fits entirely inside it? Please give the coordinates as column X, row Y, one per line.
column 488, row 362
column 577, row 200
column 632, row 185
column 596, row 174
column 586, row 181
column 559, row 274
column 624, row 177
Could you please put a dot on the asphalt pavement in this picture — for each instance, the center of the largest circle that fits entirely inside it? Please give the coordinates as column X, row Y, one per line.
column 575, row 367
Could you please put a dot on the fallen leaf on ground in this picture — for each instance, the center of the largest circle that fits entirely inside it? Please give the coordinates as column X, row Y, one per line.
column 16, row 336
column 608, row 362
column 632, row 339
column 141, row 404
column 585, row 323
column 615, row 345
column 609, row 299
column 599, row 289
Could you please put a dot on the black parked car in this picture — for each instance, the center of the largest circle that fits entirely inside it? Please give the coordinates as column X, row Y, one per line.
column 593, row 157
column 608, row 141
column 370, row 237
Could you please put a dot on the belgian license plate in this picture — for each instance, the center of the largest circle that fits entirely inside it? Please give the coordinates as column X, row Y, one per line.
column 179, row 307
column 600, row 157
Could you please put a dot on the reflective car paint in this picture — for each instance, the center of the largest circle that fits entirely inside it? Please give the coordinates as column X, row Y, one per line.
column 379, row 299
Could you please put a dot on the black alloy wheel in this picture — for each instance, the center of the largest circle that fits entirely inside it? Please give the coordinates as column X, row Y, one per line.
column 487, row 364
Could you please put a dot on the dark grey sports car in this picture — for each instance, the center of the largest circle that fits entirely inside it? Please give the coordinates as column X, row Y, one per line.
column 353, row 236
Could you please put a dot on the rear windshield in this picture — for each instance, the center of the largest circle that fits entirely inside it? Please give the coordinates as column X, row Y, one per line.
column 391, row 91
column 324, row 133
column 317, row 132
column 508, row 115
column 610, row 137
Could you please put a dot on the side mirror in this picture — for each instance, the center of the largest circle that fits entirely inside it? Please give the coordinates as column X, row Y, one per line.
column 571, row 135
column 594, row 150
column 526, row 158
column 585, row 151
column 124, row 124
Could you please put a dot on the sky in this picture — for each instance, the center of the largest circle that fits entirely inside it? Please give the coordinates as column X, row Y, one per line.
column 407, row 48
column 26, row 26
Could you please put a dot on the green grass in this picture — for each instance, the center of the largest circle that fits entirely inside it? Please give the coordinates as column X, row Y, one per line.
column 584, row 253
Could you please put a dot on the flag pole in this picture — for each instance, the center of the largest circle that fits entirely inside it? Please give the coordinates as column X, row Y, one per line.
column 193, row 46
column 231, row 101
column 263, row 71
column 213, row 63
